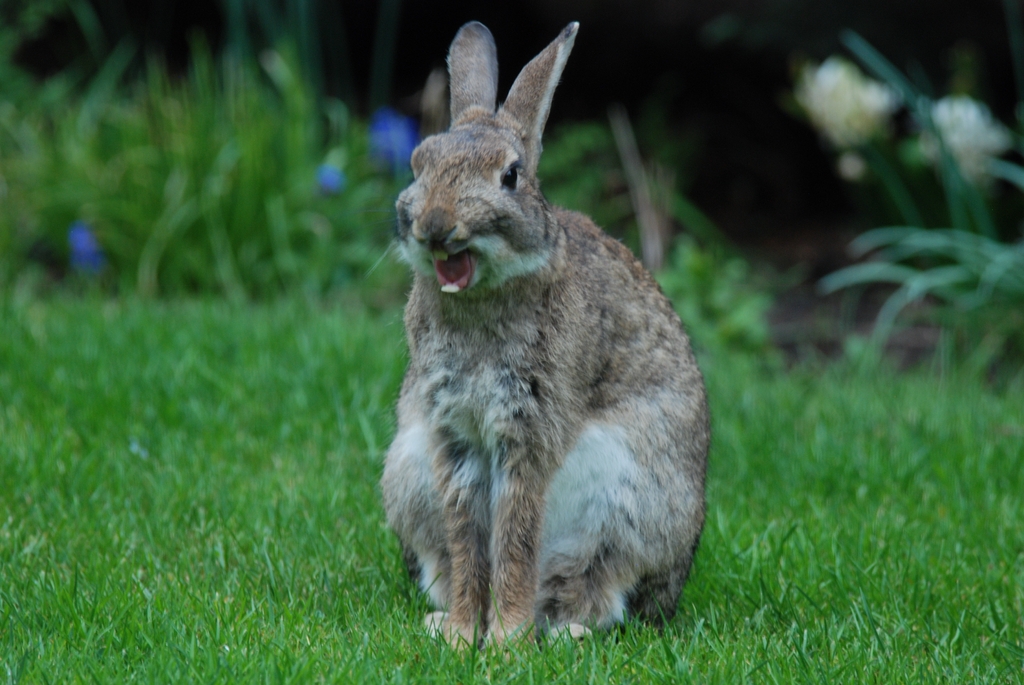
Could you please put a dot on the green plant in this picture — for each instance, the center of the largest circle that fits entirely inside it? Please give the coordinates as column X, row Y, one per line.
column 204, row 185
column 580, row 170
column 316, row 27
column 963, row 158
column 972, row 262
column 960, row 268
column 20, row 21
column 716, row 298
column 709, row 284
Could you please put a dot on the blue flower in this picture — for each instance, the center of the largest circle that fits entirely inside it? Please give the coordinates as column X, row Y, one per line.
column 330, row 179
column 393, row 137
column 86, row 253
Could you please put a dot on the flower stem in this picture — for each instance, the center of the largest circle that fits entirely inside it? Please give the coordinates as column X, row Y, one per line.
column 894, row 185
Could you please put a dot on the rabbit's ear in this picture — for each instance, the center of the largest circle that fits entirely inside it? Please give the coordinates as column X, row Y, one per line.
column 473, row 70
column 529, row 100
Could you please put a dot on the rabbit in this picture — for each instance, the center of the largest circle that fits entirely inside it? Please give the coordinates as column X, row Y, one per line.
column 547, row 473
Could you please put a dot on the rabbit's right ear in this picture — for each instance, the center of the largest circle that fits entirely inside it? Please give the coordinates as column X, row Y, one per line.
column 473, row 70
column 529, row 101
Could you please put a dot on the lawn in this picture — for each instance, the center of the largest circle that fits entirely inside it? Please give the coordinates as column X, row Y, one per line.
column 188, row 491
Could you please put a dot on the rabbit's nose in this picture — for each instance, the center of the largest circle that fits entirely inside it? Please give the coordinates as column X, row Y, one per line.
column 435, row 226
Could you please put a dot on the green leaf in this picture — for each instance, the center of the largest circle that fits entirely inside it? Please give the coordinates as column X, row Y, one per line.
column 1008, row 171
column 931, row 282
column 880, row 66
column 879, row 237
column 871, row 272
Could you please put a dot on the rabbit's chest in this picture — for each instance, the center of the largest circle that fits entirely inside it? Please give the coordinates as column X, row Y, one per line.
column 480, row 404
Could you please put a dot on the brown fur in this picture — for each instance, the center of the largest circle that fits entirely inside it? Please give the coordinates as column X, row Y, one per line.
column 563, row 345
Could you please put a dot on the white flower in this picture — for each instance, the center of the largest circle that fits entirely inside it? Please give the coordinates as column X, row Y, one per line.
column 851, row 166
column 847, row 107
column 970, row 133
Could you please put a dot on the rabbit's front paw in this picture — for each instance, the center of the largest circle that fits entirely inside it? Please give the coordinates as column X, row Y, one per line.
column 572, row 631
column 434, row 621
column 440, row 623
column 504, row 633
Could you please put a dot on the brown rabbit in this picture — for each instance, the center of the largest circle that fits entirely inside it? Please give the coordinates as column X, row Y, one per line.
column 553, row 427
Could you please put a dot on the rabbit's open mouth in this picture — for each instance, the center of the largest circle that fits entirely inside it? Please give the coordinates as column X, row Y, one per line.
column 454, row 272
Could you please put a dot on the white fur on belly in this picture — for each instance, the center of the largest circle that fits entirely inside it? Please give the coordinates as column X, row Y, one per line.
column 429, row 577
column 412, row 443
column 589, row 504
column 590, row 495
column 410, row 456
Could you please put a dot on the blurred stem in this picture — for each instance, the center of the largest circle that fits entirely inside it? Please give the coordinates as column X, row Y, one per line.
column 384, row 53
column 952, row 184
column 179, row 213
column 90, row 26
column 336, row 52
column 103, row 87
column 881, row 67
column 652, row 233
column 893, row 185
column 963, row 200
column 238, row 41
column 304, row 20
column 284, row 258
column 224, row 261
column 1016, row 35
column 979, row 211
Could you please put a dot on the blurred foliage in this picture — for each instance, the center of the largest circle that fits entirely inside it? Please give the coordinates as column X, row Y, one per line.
column 245, row 182
column 79, row 36
column 926, row 165
column 204, row 185
column 974, row 263
column 20, row 20
column 580, row 170
column 318, row 29
column 712, row 287
column 962, row 268
column 719, row 302
column 315, row 26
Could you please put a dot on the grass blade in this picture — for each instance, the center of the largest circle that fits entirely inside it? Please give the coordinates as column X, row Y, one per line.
column 104, row 85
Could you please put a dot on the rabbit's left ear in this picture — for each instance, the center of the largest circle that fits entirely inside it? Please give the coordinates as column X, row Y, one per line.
column 529, row 100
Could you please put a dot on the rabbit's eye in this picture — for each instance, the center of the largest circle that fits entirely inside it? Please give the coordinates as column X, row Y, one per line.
column 510, row 177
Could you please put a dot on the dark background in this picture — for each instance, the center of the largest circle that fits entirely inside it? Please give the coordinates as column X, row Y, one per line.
column 717, row 68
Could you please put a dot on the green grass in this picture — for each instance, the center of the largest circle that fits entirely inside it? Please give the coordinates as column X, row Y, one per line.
column 189, row 492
